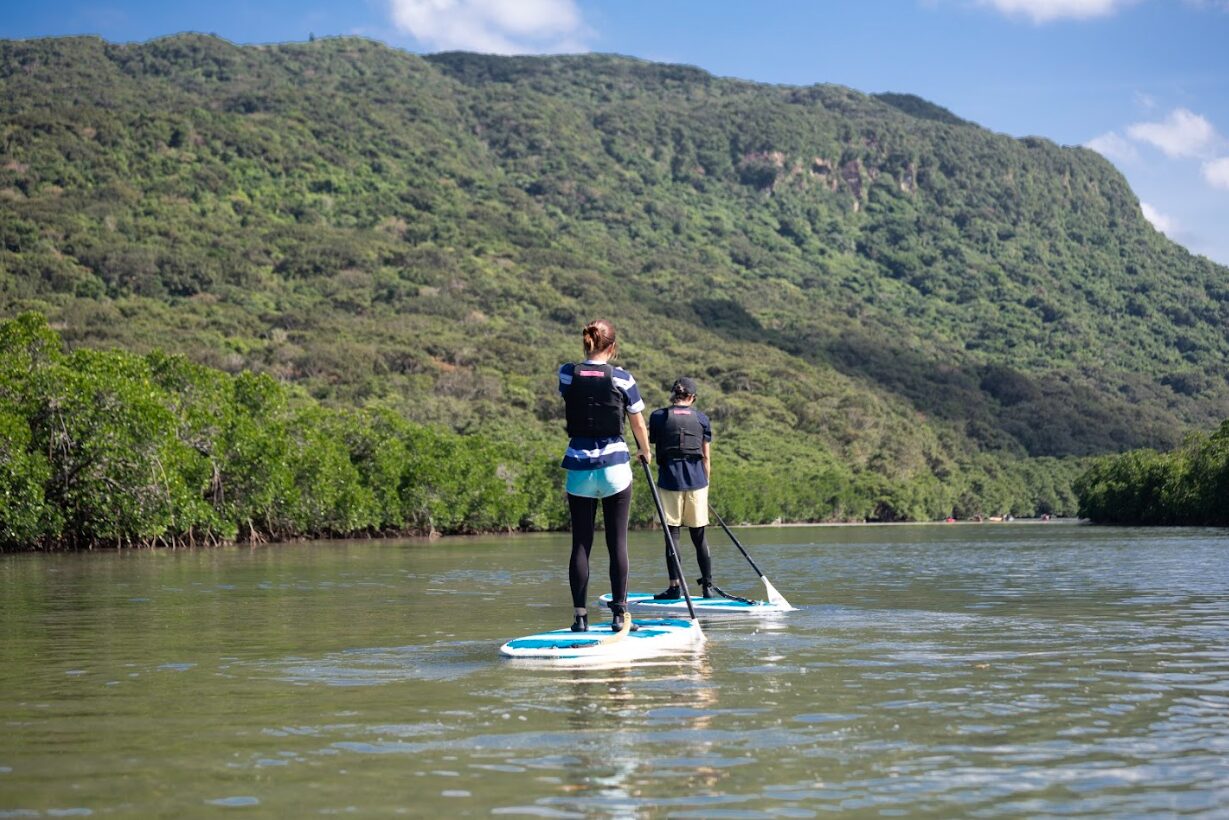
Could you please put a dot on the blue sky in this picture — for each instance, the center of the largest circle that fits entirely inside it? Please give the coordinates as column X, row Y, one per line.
column 1145, row 82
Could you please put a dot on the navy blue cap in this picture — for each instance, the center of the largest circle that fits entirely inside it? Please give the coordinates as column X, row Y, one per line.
column 684, row 386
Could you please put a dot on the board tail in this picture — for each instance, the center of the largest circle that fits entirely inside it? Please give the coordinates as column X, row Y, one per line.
column 775, row 598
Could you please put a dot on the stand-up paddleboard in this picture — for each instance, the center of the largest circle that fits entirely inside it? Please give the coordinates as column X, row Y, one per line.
column 654, row 637
column 643, row 602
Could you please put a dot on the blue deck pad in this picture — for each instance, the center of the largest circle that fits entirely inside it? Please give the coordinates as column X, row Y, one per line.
column 643, row 603
column 634, row 598
column 567, row 639
column 575, row 640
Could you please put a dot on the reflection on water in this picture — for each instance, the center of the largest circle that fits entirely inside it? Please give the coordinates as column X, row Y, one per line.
column 945, row 670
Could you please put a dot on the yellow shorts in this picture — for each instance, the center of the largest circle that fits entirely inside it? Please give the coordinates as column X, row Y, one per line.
column 685, row 508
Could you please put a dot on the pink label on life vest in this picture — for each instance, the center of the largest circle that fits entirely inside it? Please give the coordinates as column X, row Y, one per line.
column 591, row 373
column 680, row 412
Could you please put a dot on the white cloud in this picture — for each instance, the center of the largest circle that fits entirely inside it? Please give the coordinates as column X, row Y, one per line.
column 493, row 26
column 1044, row 11
column 1216, row 173
column 1113, row 147
column 1165, row 224
column 1182, row 134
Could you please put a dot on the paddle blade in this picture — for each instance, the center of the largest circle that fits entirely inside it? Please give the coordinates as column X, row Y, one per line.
column 775, row 598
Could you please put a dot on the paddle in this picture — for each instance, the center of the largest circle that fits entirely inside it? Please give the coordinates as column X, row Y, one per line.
column 774, row 597
column 661, row 514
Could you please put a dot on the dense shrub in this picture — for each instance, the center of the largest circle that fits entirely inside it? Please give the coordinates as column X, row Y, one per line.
column 1186, row 486
column 111, row 448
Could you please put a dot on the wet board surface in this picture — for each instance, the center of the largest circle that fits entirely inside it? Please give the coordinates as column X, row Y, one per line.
column 643, row 602
column 656, row 636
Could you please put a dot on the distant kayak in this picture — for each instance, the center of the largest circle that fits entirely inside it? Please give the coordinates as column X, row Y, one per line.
column 653, row 637
column 643, row 602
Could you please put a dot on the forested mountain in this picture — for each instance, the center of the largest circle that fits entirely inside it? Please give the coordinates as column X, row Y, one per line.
column 890, row 311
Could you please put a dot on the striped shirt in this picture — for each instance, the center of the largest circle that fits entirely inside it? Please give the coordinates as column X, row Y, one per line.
column 588, row 452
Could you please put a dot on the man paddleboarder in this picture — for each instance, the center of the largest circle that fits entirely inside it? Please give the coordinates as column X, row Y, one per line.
column 684, row 436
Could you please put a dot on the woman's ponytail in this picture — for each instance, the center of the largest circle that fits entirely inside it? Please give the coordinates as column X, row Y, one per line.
column 599, row 337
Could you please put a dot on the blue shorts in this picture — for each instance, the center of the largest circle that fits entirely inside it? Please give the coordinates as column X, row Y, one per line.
column 600, row 483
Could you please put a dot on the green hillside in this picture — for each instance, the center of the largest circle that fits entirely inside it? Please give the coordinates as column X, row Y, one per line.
column 874, row 294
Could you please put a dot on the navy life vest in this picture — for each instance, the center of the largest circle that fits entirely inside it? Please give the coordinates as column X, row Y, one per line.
column 682, row 435
column 595, row 407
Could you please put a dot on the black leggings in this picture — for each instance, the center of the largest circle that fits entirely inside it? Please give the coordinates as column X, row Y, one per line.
column 702, row 557
column 615, row 511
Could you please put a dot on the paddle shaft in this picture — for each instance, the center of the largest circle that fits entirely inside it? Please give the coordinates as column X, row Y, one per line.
column 736, row 543
column 674, row 553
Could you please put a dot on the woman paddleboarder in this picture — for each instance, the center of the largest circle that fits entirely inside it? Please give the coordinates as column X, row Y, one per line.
column 598, row 396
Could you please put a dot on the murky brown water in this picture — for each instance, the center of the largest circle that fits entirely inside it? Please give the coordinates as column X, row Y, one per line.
column 966, row 670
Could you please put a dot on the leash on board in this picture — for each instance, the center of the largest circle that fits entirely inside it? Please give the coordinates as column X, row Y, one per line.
column 725, row 594
column 617, row 636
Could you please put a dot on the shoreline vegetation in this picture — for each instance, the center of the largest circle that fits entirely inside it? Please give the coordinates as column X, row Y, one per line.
column 1188, row 486
column 109, row 448
column 116, row 449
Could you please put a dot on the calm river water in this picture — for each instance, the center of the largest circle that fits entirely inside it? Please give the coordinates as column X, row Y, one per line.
column 972, row 670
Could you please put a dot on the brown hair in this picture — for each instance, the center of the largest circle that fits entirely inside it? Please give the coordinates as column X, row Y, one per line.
column 598, row 337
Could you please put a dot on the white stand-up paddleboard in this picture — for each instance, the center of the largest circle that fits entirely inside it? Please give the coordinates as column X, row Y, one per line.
column 643, row 602
column 600, row 645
